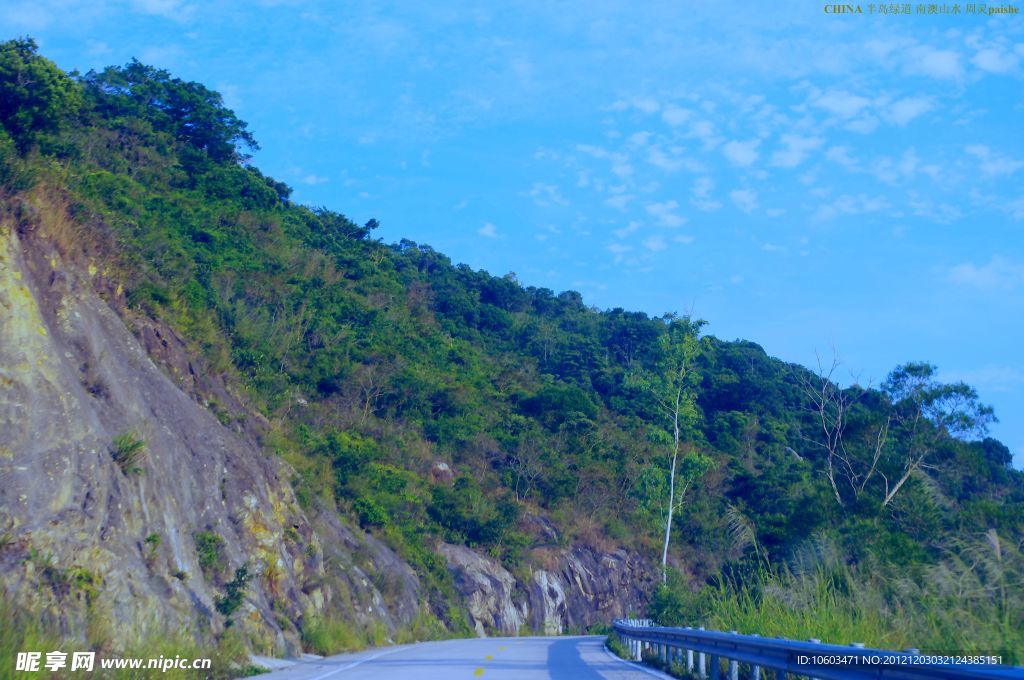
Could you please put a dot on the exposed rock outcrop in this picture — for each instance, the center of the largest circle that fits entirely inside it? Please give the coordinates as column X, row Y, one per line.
column 147, row 545
column 585, row 588
column 124, row 544
column 488, row 589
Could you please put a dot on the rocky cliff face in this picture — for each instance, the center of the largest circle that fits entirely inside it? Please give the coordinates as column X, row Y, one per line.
column 145, row 546
column 116, row 548
column 583, row 588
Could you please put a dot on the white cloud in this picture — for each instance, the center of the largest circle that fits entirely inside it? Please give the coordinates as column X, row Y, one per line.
column 841, row 103
column 162, row 55
column 99, row 48
column 841, row 155
column 169, row 9
column 314, row 179
column 990, row 378
column 1016, row 209
column 941, row 213
column 704, row 130
column 673, row 115
column 665, row 214
column 627, row 230
column 863, row 126
column 655, row 243
column 619, row 248
column 998, row 273
column 643, row 104
column 892, row 171
column 646, row 104
column 660, row 159
column 639, row 138
column 28, row 16
column 619, row 202
column 702, row 195
column 488, row 231
column 591, row 150
column 685, row 239
column 851, row 205
column 744, row 199
column 927, row 61
column 795, row 150
column 907, row 109
column 742, row 154
column 622, row 169
column 545, row 195
column 992, row 163
column 996, row 60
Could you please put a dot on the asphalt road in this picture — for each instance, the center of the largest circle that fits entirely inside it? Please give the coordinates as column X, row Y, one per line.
column 523, row 658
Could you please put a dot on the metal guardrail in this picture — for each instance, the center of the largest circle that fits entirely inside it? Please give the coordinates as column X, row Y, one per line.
column 703, row 652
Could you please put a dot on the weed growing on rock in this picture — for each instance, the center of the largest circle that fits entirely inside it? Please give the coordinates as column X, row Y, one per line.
column 128, row 450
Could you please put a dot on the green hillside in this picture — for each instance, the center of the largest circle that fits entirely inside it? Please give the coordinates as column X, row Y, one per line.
column 366, row 366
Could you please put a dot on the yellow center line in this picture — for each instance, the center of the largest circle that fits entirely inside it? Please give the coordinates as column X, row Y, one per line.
column 478, row 672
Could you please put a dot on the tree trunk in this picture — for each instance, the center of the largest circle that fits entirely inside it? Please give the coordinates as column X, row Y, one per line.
column 671, row 487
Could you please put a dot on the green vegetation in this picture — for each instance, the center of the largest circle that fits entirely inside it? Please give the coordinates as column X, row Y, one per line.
column 210, row 549
column 374, row 363
column 21, row 631
column 128, row 450
column 152, row 549
column 969, row 602
column 332, row 635
column 234, row 591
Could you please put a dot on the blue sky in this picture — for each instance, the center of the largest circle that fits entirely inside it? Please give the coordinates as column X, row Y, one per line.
column 803, row 180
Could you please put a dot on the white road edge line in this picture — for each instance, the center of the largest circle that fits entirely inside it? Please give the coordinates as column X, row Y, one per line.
column 634, row 664
column 357, row 663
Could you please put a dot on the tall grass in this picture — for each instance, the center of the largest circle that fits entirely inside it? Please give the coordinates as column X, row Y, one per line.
column 972, row 601
column 22, row 632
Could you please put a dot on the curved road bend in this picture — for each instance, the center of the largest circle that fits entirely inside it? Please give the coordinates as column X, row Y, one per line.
column 522, row 658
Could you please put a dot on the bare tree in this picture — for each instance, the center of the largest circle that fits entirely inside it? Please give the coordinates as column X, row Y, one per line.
column 921, row 411
column 831, row 406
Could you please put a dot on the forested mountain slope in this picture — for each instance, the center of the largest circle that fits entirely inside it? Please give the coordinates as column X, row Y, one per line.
column 204, row 385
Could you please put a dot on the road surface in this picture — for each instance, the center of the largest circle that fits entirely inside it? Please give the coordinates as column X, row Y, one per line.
column 522, row 658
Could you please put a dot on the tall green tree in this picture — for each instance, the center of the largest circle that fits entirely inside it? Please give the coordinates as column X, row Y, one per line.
column 672, row 385
column 925, row 412
column 35, row 95
column 188, row 110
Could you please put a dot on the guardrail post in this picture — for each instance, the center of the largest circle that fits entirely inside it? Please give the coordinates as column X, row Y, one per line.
column 817, row 642
column 734, row 666
column 755, row 670
column 689, row 660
